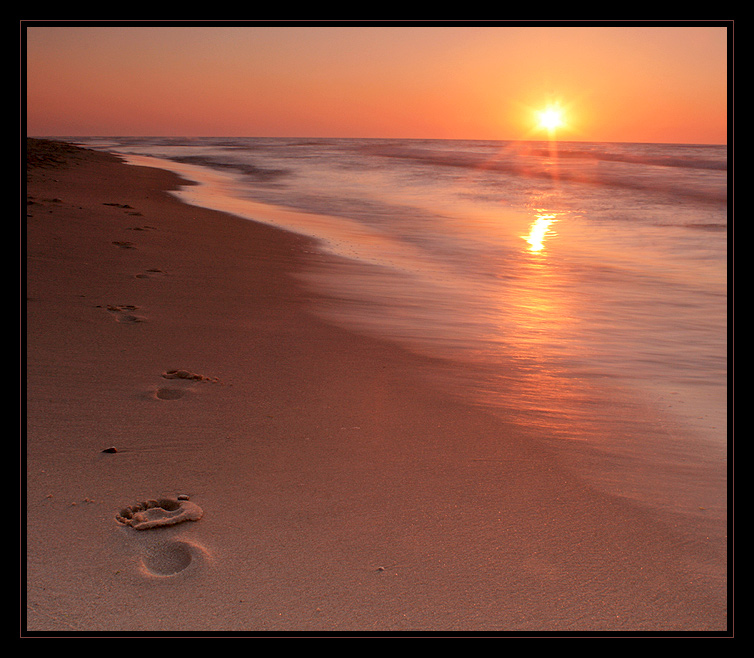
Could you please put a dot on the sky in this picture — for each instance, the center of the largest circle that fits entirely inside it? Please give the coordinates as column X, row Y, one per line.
column 616, row 83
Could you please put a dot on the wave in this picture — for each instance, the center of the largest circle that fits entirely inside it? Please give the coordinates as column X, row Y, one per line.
column 587, row 164
column 674, row 155
column 644, row 159
column 251, row 170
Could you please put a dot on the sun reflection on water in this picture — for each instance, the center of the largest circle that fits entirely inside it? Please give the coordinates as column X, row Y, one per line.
column 538, row 230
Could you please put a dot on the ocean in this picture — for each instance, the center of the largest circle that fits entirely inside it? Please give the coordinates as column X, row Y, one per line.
column 578, row 289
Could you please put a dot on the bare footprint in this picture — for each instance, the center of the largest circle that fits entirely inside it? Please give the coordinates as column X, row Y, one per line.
column 166, row 393
column 170, row 558
column 125, row 313
column 150, row 273
column 185, row 374
column 159, row 513
column 185, row 384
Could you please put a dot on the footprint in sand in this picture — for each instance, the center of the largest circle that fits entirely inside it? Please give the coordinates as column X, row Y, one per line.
column 124, row 244
column 185, row 374
column 151, row 273
column 129, row 209
column 184, row 384
column 165, row 555
column 167, row 393
column 159, row 513
column 173, row 557
column 125, row 313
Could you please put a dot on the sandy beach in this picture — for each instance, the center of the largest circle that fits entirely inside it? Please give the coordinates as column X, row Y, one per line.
column 171, row 354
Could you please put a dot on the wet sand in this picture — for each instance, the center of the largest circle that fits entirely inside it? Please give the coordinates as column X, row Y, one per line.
column 171, row 352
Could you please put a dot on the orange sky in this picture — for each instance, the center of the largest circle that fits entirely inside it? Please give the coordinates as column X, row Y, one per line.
column 632, row 84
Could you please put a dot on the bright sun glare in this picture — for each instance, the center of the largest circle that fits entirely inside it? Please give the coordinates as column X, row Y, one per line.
column 551, row 118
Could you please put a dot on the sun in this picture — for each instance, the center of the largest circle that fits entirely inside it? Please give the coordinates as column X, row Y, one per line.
column 551, row 118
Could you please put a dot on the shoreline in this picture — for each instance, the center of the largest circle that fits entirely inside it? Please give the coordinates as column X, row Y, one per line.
column 341, row 491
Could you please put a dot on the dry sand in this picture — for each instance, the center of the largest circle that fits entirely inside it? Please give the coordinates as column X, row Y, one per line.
column 340, row 490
